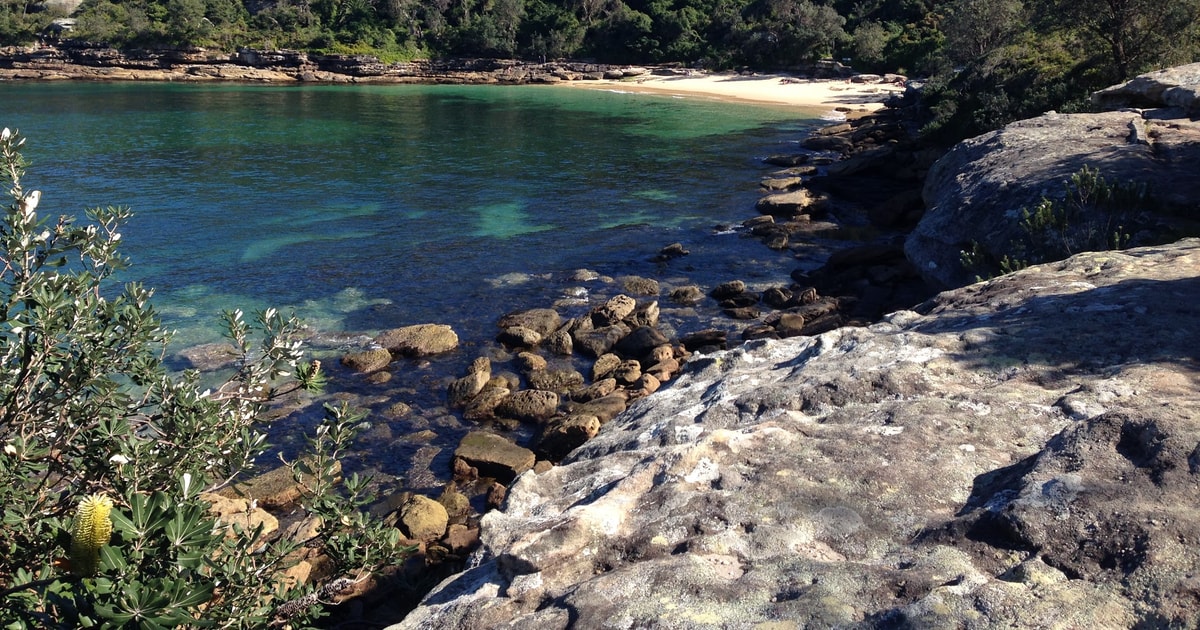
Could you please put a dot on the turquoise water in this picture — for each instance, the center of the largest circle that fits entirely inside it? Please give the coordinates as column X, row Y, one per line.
column 363, row 208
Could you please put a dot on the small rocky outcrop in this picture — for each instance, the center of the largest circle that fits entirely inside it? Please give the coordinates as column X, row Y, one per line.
column 421, row 340
column 977, row 193
column 1008, row 451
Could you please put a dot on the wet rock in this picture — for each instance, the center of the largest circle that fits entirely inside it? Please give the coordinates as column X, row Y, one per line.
column 559, row 381
column 541, row 320
column 456, row 503
column 637, row 285
column 598, row 389
column 422, row 518
column 530, row 405
column 605, row 408
column 211, row 356
column 564, row 434
column 559, row 342
column 418, row 341
column 604, row 366
column 704, row 339
column 794, row 204
column 519, row 337
column 640, row 342
column 530, row 362
column 483, row 406
column 787, row 160
column 600, row 340
column 670, row 252
column 494, row 456
column 726, row 290
column 462, row 390
column 775, row 184
column 628, row 372
column 614, row 310
column 367, row 360
column 687, row 295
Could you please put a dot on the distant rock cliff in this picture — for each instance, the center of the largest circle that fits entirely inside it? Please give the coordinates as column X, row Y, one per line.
column 1022, row 452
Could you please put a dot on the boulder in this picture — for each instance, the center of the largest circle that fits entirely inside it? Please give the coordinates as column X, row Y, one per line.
column 688, row 295
column 483, row 405
column 519, row 337
column 977, row 193
column 461, row 391
column 637, row 285
column 599, row 341
column 367, row 360
column 1016, row 453
column 494, row 456
column 640, row 342
column 1171, row 87
column 793, row 204
column 418, row 341
column 614, row 310
column 563, row 435
column 423, row 519
column 532, row 405
column 542, row 320
column 556, row 380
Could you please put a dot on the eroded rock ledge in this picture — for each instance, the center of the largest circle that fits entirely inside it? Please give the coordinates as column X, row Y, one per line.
column 1020, row 452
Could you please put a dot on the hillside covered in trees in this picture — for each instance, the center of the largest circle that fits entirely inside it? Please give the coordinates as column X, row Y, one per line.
column 988, row 61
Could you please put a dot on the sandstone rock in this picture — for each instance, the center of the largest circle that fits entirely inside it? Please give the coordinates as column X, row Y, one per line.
column 628, row 372
column 599, row 389
column 726, row 290
column 559, row 342
column 423, row 519
column 604, row 366
column 795, row 203
column 532, row 405
column 670, row 252
column 696, row 341
column 276, row 488
column 687, row 295
column 530, row 362
column 462, row 390
column 563, row 435
column 519, row 337
column 542, row 320
column 483, row 406
column 637, row 285
column 367, row 360
column 605, row 408
column 559, row 381
column 645, row 315
column 599, row 341
column 1010, row 453
column 614, row 310
column 640, row 342
column 494, row 456
column 419, row 341
column 456, row 503
column 977, row 192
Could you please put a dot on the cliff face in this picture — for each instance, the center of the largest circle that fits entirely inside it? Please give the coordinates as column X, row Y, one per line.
column 977, row 193
column 1022, row 451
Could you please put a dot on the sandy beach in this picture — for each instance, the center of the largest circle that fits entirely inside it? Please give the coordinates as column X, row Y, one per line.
column 819, row 94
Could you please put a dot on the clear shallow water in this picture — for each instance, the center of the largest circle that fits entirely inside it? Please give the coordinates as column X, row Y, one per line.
column 369, row 207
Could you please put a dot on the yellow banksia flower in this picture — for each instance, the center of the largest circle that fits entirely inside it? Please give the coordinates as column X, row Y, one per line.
column 91, row 531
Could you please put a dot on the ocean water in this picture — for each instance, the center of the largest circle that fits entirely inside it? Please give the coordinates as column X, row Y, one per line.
column 368, row 207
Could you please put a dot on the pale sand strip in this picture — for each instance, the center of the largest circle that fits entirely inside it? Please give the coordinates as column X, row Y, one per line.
column 820, row 94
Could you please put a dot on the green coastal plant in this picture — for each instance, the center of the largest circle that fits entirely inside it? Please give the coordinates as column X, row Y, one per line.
column 104, row 454
column 1094, row 214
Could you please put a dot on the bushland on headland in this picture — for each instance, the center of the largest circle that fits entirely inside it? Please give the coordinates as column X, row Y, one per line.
column 989, row 61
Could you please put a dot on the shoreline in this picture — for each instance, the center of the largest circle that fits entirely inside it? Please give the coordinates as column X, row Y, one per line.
column 824, row 87
column 776, row 89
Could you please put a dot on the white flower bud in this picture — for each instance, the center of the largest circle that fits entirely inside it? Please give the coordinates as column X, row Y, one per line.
column 5, row 135
column 119, row 459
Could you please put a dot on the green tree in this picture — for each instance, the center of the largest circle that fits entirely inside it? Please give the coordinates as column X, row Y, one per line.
column 1135, row 34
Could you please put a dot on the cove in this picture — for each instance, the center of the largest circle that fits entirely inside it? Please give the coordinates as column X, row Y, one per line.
column 368, row 207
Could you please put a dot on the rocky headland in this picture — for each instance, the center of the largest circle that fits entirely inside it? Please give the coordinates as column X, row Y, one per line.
column 1019, row 452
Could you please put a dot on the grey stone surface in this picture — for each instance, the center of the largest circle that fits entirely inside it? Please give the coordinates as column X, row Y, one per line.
column 976, row 192
column 1016, row 453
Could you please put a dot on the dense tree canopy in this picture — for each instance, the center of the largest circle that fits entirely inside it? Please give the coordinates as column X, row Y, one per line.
column 988, row 61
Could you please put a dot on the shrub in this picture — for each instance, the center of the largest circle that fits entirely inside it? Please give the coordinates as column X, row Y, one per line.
column 105, row 454
column 1093, row 215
